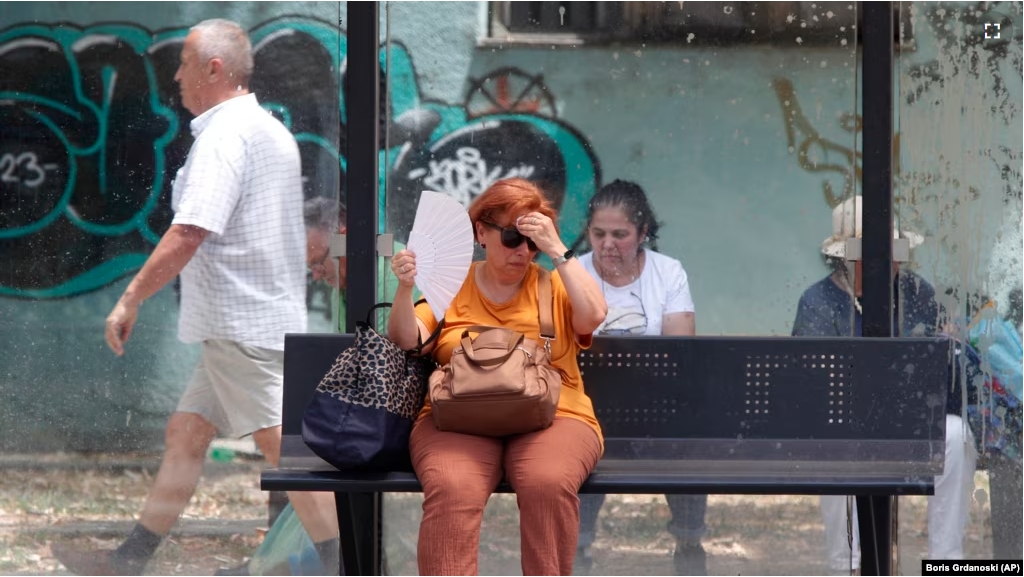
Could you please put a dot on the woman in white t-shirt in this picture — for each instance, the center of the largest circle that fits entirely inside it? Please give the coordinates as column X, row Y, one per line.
column 647, row 294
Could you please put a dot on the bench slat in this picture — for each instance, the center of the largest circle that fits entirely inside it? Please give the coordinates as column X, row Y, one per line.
column 614, row 483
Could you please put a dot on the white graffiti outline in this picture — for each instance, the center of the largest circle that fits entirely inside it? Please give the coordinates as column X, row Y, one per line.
column 10, row 163
column 467, row 175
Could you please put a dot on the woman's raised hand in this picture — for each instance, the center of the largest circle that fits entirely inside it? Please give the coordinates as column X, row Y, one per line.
column 541, row 230
column 403, row 264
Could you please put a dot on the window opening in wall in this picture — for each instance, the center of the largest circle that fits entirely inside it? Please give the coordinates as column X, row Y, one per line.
column 693, row 23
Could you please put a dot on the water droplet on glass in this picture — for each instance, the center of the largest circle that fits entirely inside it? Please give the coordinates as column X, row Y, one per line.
column 690, row 37
column 727, row 9
column 799, row 40
column 561, row 15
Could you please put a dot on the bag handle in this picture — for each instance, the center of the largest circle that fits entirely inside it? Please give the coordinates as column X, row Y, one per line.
column 418, row 350
column 433, row 337
column 514, row 340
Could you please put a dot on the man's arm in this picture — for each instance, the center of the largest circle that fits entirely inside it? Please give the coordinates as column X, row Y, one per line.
column 171, row 255
column 814, row 319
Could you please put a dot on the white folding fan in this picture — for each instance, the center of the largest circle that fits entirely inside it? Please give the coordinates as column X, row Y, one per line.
column 442, row 239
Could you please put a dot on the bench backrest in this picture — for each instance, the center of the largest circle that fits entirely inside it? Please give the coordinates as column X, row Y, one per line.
column 851, row 405
column 868, row 405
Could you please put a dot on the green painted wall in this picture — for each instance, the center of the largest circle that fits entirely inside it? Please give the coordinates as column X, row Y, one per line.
column 739, row 148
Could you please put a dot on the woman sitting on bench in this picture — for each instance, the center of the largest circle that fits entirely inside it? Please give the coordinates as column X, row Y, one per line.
column 513, row 222
column 647, row 294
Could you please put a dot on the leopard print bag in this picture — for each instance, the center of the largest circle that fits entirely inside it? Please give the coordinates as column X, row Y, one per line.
column 363, row 410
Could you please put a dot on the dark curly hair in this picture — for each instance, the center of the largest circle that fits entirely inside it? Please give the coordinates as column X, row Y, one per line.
column 632, row 200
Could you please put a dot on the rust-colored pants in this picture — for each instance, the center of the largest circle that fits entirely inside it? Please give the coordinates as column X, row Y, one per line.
column 459, row 472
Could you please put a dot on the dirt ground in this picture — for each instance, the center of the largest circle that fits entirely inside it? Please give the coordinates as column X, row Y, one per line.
column 45, row 499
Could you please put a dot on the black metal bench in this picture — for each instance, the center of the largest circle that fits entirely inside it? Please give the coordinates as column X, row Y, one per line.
column 716, row 415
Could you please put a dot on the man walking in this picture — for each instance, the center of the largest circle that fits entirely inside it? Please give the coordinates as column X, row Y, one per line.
column 237, row 240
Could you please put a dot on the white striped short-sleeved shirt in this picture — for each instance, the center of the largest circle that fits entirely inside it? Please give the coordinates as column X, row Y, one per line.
column 242, row 181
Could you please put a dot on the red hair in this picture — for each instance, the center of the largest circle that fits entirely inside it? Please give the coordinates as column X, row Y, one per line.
column 511, row 196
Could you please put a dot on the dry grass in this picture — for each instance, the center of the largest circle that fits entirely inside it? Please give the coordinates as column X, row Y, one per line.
column 95, row 506
column 747, row 535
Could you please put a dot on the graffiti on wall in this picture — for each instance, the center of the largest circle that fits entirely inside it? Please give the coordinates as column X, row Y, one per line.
column 506, row 127
column 966, row 54
column 94, row 132
column 960, row 101
column 818, row 154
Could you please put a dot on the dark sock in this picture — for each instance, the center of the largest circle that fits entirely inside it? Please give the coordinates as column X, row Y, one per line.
column 137, row 549
column 330, row 555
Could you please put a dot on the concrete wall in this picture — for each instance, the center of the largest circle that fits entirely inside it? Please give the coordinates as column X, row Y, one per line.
column 743, row 149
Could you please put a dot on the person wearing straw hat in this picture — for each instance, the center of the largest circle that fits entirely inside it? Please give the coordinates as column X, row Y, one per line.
column 831, row 308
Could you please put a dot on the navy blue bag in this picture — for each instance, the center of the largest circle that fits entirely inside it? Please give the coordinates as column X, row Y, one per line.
column 363, row 410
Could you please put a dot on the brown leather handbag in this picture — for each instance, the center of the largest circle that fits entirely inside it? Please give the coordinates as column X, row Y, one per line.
column 499, row 383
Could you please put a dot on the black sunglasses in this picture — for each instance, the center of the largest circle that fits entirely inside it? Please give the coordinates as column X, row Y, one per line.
column 512, row 238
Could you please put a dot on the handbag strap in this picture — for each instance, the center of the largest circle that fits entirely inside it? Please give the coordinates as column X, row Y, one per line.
column 418, row 350
column 433, row 337
column 545, row 305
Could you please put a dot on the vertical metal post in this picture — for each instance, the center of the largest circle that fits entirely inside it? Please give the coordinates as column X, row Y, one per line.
column 362, row 110
column 878, row 131
column 877, row 302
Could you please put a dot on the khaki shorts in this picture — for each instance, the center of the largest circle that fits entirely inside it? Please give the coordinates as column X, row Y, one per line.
column 238, row 388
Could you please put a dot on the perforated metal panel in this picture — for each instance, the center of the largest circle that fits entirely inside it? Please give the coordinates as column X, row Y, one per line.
column 767, row 387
